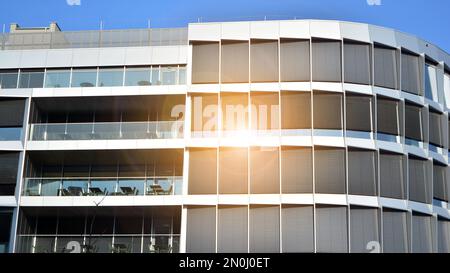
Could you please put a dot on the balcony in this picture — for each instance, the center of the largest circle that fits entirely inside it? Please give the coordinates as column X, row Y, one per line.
column 167, row 185
column 107, row 130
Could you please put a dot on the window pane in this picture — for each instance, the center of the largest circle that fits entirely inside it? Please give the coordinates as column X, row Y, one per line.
column 233, row 174
column 137, row 76
column 431, row 89
column 264, row 170
column 156, row 79
column 326, row 61
column 364, row 228
column 413, row 122
column 357, row 63
column 359, row 113
column 443, row 236
column 205, row 62
column 295, row 110
column 327, row 111
column 31, row 79
column 294, row 60
column 264, row 229
column 169, row 75
column 297, row 228
column 234, row 111
column 12, row 112
column 57, row 78
column 264, row 60
column 201, row 229
column 329, row 170
column 234, row 61
column 422, row 234
column 204, row 113
column 436, row 132
column 331, row 230
column 202, row 171
column 296, row 170
column 362, row 172
column 110, row 77
column 440, row 188
column 8, row 79
column 182, row 75
column 9, row 162
column 419, row 180
column 395, row 231
column 385, row 67
column 447, row 89
column 392, row 175
column 265, row 115
column 232, row 229
column 411, row 73
column 84, row 78
column 388, row 116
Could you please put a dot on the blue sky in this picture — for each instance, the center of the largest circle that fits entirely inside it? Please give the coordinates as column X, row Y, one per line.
column 428, row 19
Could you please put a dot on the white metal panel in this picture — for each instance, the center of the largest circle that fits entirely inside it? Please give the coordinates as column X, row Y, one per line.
column 407, row 41
column 355, row 31
column 204, row 31
column 10, row 58
column 233, row 199
column 332, row 199
column 295, row 29
column 165, row 55
column 235, row 31
column 295, row 86
column 235, row 87
column 393, row 203
column 85, row 57
column 33, row 58
column 382, row 35
column 327, row 86
column 203, row 199
column 325, row 29
column 8, row 201
column 420, row 207
column 264, row 30
column 265, row 199
column 138, row 55
column 358, row 88
column 11, row 145
column 303, row 199
column 112, row 56
column 59, row 58
column 366, row 201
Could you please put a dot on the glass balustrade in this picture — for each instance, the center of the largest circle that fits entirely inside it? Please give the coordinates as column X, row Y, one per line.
column 122, row 186
column 107, row 130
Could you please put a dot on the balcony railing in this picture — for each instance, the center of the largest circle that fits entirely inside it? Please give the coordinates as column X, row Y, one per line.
column 101, row 186
column 107, row 130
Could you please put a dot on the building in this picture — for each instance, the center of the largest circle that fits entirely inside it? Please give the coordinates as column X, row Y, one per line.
column 262, row 136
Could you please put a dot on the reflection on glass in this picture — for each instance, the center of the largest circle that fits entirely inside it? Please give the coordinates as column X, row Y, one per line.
column 137, row 77
column 44, row 245
column 32, row 187
column 103, row 186
column 182, row 75
column 31, row 79
column 134, row 130
column 8, row 80
column 110, row 77
column 74, row 187
column 98, row 244
column 78, row 131
column 57, row 78
column 63, row 246
column 50, row 187
column 155, row 76
column 131, row 186
column 55, row 131
column 84, row 77
column 127, row 244
column 106, row 130
column 10, row 133
column 158, row 244
column 169, row 75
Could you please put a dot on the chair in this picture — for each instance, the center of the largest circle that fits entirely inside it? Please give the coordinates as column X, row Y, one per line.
column 63, row 192
column 120, row 248
column 169, row 190
column 75, row 191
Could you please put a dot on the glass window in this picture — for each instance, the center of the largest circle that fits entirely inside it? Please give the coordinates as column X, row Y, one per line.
column 436, row 132
column 326, row 61
column 265, row 115
column 443, row 236
column 57, row 78
column 411, row 73
column 234, row 112
column 422, row 233
column 182, row 75
column 264, row 60
column 205, row 62
column 431, row 89
column 264, row 229
column 137, row 76
column 233, row 170
column 11, row 112
column 388, row 116
column 419, row 180
column 296, row 170
column 84, row 78
column 413, row 122
column 264, row 170
column 234, row 61
column 385, row 66
column 327, row 110
column 110, row 77
column 297, row 228
column 202, row 171
column 169, row 75
column 294, row 60
column 329, row 170
column 362, row 171
column 447, row 88
column 440, row 181
column 392, row 175
column 364, row 228
column 232, row 229
column 8, row 79
column 9, row 162
column 357, row 63
column 331, row 230
column 395, row 231
column 359, row 112
column 31, row 79
column 204, row 114
column 295, row 110
column 156, row 79
column 201, row 229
